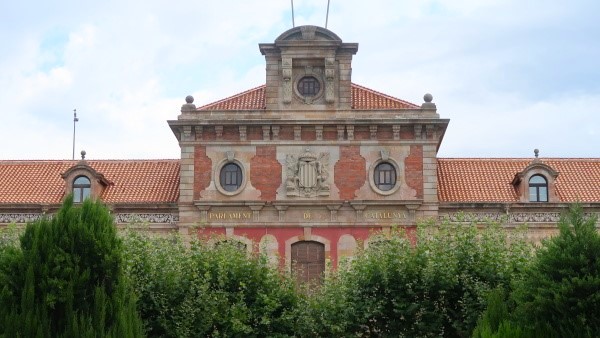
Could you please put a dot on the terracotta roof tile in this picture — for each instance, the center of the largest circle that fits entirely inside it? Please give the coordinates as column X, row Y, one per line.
column 489, row 180
column 365, row 98
column 362, row 98
column 134, row 181
column 252, row 99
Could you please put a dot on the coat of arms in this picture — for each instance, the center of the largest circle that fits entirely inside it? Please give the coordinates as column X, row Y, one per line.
column 307, row 174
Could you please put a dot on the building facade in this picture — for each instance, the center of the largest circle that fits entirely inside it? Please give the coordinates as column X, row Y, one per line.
column 307, row 168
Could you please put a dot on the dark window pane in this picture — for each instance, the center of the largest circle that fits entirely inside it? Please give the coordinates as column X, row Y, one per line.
column 385, row 176
column 538, row 189
column 309, row 86
column 231, row 177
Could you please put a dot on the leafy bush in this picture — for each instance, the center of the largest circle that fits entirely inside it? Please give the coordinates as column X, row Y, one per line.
column 66, row 279
column 437, row 287
column 200, row 290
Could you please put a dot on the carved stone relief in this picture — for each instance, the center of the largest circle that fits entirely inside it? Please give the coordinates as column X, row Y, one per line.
column 307, row 174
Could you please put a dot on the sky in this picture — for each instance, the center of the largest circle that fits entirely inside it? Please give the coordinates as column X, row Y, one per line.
column 511, row 75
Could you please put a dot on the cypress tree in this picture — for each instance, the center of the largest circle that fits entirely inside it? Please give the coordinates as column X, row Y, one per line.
column 560, row 296
column 66, row 279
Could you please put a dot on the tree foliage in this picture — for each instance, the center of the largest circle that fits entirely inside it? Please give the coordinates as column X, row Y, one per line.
column 436, row 287
column 65, row 278
column 559, row 295
column 199, row 290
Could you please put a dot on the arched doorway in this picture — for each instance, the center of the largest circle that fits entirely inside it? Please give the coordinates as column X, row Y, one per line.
column 308, row 261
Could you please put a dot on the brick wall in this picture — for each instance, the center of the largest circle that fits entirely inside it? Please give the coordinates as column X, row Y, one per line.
column 414, row 169
column 202, row 170
column 350, row 172
column 265, row 172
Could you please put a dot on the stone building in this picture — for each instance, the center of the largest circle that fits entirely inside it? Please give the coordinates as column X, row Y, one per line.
column 307, row 168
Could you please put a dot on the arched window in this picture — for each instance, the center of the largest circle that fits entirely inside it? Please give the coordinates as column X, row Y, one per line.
column 81, row 189
column 231, row 177
column 384, row 176
column 538, row 189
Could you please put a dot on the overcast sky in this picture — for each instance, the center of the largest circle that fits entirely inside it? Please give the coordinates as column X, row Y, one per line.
column 511, row 75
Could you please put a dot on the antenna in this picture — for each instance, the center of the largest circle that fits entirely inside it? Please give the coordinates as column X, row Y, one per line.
column 293, row 23
column 327, row 16
column 75, row 119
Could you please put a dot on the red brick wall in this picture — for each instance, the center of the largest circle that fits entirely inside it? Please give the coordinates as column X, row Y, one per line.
column 414, row 169
column 350, row 172
column 286, row 133
column 362, row 133
column 308, row 133
column 254, row 133
column 330, row 133
column 385, row 133
column 407, row 133
column 265, row 172
column 202, row 170
column 231, row 133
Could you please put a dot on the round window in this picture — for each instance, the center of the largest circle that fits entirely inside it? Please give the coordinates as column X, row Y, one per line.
column 384, row 176
column 231, row 177
column 309, row 86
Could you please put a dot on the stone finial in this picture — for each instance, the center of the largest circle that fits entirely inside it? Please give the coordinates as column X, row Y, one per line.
column 428, row 104
column 83, row 155
column 536, row 152
column 189, row 105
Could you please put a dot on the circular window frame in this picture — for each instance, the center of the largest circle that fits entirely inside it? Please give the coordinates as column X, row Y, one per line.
column 372, row 177
column 309, row 99
column 217, row 177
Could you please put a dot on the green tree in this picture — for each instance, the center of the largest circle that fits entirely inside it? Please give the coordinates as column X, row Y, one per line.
column 198, row 290
column 430, row 284
column 561, row 291
column 66, row 278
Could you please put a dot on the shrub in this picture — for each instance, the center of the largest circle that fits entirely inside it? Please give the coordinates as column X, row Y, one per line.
column 436, row 287
column 561, row 291
column 66, row 278
column 200, row 290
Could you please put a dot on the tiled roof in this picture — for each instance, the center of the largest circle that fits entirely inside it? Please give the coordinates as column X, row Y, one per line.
column 365, row 98
column 489, row 180
column 252, row 99
column 362, row 98
column 134, row 181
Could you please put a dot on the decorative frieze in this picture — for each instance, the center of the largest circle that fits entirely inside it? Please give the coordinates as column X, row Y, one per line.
column 20, row 217
column 119, row 218
column 519, row 217
column 163, row 218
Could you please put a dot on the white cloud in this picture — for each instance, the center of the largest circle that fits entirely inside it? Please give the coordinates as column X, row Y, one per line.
column 512, row 75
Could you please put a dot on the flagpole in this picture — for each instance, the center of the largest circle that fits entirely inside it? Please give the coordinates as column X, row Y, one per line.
column 293, row 23
column 75, row 119
column 327, row 16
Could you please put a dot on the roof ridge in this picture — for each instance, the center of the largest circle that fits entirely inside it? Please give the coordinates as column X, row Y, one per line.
column 232, row 97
